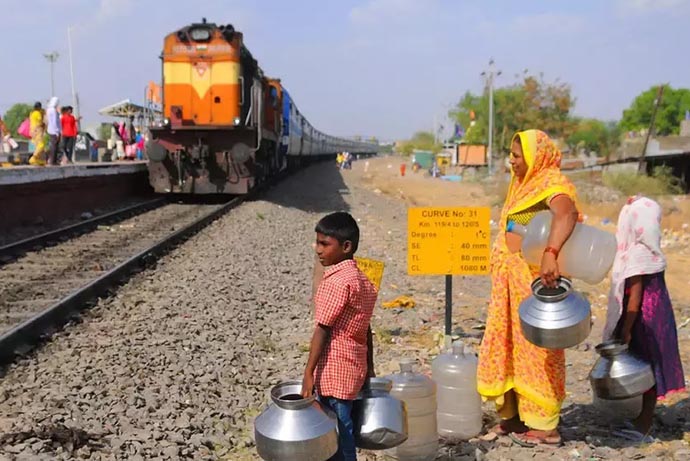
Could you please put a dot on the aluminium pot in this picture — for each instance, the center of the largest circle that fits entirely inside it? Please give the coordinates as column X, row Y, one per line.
column 293, row 428
column 380, row 420
column 618, row 374
column 555, row 318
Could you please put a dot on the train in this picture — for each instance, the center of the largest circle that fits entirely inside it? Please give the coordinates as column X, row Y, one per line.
column 226, row 127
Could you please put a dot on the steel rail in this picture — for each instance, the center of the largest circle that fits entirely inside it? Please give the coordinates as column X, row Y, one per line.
column 23, row 337
column 15, row 249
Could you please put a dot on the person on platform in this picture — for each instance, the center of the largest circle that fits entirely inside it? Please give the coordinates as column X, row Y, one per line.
column 139, row 145
column 54, row 130
column 4, row 132
column 37, row 127
column 131, row 130
column 526, row 382
column 117, row 142
column 69, row 134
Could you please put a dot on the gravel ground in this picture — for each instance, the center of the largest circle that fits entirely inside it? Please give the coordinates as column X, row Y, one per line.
column 39, row 227
column 38, row 279
column 178, row 363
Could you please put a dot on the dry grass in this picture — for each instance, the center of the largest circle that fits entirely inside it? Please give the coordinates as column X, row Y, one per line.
column 662, row 182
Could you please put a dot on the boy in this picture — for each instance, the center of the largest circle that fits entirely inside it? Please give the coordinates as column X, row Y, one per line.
column 340, row 356
column 69, row 134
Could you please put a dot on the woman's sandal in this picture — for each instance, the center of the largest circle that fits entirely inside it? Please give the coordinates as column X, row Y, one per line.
column 531, row 439
column 502, row 430
column 634, row 435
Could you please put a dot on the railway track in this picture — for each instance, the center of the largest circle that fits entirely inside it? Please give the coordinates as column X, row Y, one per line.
column 47, row 280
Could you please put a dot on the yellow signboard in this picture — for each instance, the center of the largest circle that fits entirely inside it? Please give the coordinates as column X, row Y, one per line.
column 372, row 269
column 448, row 241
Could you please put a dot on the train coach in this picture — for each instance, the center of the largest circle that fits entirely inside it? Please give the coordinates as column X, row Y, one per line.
column 227, row 127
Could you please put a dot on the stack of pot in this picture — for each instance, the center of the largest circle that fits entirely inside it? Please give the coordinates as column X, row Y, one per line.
column 294, row 428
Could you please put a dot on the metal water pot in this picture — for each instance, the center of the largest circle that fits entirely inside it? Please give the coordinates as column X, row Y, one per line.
column 380, row 420
column 294, row 428
column 555, row 318
column 618, row 374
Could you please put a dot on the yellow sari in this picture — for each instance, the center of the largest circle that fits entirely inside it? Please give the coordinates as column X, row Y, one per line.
column 507, row 361
column 37, row 137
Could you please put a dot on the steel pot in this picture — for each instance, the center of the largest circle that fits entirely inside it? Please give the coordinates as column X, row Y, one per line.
column 294, row 428
column 618, row 374
column 555, row 318
column 380, row 420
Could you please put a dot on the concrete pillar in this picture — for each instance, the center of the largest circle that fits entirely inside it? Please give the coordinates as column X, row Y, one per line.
column 685, row 128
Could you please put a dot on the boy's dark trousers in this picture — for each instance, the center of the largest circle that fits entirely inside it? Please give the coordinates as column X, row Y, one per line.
column 346, row 439
column 67, row 146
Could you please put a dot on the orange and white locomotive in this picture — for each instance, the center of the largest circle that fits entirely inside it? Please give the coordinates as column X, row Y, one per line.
column 227, row 127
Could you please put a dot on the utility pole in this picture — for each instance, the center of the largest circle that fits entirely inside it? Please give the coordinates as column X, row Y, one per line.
column 52, row 59
column 642, row 165
column 435, row 132
column 489, row 75
column 75, row 100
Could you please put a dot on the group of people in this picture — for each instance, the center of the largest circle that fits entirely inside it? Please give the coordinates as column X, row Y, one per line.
column 526, row 382
column 6, row 141
column 344, row 160
column 53, row 133
column 127, row 140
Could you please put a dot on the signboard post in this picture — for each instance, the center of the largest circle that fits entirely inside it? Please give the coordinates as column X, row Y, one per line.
column 448, row 241
column 373, row 269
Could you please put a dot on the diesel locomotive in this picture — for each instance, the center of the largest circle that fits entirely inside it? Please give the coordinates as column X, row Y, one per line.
column 227, row 127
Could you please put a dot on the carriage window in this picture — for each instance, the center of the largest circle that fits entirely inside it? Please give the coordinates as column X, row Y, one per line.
column 274, row 97
column 241, row 90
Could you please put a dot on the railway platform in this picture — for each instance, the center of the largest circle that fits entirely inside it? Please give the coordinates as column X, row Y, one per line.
column 49, row 194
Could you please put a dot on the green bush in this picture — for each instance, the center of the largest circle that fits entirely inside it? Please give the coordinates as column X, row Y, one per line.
column 15, row 115
column 662, row 182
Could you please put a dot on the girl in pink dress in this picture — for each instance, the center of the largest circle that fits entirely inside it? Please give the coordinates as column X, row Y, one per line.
column 640, row 312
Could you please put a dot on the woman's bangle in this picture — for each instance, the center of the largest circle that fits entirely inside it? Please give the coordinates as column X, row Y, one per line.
column 551, row 250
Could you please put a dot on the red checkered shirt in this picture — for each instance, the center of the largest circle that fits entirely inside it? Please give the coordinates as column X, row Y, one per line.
column 344, row 302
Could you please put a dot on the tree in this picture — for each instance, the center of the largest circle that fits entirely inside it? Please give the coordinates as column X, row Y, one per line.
column 422, row 140
column 15, row 115
column 104, row 130
column 672, row 109
column 531, row 103
column 594, row 135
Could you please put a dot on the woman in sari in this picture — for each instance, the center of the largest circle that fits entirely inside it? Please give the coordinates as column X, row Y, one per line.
column 526, row 382
column 37, row 135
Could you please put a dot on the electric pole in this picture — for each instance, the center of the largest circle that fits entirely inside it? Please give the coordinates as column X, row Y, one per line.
column 490, row 74
column 52, row 59
column 642, row 164
column 75, row 99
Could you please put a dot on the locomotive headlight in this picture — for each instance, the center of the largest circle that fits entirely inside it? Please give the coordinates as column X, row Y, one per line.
column 237, row 121
column 200, row 34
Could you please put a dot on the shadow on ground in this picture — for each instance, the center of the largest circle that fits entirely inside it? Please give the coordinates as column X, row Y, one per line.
column 319, row 188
